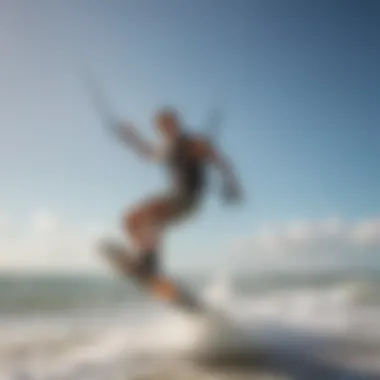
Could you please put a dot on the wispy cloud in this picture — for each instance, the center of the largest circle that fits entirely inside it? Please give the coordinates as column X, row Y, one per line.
column 332, row 241
column 48, row 242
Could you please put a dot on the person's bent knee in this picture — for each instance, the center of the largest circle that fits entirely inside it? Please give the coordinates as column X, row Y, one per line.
column 130, row 221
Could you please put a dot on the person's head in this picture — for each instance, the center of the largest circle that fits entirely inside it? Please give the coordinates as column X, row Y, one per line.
column 168, row 122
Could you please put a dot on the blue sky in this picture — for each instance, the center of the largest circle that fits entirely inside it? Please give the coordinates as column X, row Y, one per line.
column 298, row 83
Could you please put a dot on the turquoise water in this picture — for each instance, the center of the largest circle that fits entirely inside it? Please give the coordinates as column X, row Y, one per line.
column 91, row 327
column 59, row 292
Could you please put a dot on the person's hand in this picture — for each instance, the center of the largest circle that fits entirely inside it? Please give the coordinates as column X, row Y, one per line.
column 231, row 193
column 125, row 131
column 126, row 128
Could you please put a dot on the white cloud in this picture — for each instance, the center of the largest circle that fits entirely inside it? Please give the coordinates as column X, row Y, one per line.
column 367, row 233
column 5, row 226
column 45, row 222
column 309, row 243
column 52, row 243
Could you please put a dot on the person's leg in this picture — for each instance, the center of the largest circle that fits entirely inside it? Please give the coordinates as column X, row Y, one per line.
column 145, row 226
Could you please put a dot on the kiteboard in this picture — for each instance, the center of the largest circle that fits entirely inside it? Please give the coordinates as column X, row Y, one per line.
column 160, row 287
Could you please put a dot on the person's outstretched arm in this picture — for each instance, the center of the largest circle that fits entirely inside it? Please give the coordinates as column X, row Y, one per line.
column 128, row 134
column 231, row 187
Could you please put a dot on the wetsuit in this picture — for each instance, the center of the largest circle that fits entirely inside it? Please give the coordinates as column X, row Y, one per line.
column 188, row 177
column 188, row 182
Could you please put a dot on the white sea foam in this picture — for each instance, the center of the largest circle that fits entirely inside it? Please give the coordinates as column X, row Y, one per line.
column 329, row 324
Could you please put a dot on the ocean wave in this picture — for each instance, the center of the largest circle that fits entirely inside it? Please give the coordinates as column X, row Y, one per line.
column 334, row 325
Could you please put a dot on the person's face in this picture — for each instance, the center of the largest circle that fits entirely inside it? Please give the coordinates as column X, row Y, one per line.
column 168, row 126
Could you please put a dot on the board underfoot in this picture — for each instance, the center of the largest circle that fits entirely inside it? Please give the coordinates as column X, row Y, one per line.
column 160, row 286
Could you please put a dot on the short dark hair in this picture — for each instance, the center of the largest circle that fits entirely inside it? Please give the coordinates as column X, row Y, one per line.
column 168, row 112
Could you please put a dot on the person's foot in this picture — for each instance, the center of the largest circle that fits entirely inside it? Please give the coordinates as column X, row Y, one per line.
column 117, row 254
column 164, row 289
column 111, row 247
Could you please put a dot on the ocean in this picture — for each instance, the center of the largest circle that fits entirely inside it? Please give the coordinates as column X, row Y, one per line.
column 260, row 326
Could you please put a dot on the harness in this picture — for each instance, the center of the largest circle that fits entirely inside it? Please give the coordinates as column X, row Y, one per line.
column 187, row 172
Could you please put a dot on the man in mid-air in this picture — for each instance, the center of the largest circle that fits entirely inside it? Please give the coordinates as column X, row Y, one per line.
column 186, row 156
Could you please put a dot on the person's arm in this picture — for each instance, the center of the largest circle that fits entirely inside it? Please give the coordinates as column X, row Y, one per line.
column 126, row 133
column 231, row 186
